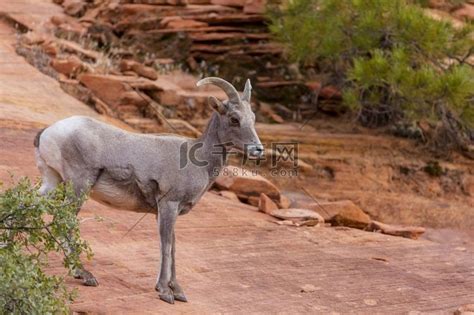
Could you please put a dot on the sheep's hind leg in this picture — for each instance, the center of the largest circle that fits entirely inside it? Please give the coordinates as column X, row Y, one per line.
column 50, row 178
column 80, row 185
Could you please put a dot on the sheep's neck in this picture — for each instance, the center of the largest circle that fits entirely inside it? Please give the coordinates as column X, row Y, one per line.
column 212, row 150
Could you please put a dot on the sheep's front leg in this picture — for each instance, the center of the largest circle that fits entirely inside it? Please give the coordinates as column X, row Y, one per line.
column 168, row 211
column 177, row 290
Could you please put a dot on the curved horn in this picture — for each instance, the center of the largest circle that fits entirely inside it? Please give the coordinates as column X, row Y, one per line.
column 228, row 88
column 247, row 91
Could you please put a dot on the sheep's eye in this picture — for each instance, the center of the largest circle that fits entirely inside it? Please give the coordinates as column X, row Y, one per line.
column 234, row 121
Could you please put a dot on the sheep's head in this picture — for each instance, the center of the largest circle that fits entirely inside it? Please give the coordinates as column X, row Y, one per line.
column 236, row 119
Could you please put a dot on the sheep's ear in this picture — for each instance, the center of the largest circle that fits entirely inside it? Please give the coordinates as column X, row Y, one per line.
column 217, row 105
column 247, row 91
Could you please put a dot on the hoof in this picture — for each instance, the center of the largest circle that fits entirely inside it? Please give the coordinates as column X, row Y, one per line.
column 90, row 282
column 180, row 297
column 169, row 298
column 88, row 278
column 77, row 276
column 165, row 294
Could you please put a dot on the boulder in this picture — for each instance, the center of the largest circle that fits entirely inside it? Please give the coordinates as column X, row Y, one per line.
column 266, row 205
column 33, row 38
column 297, row 214
column 412, row 232
column 140, row 69
column 144, row 71
column 50, row 48
column 69, row 66
column 75, row 8
column 246, row 183
column 75, row 48
column 58, row 19
column 72, row 30
column 167, row 93
column 115, row 90
column 343, row 212
column 108, row 88
column 126, row 64
column 133, row 98
column 229, row 195
column 284, row 202
column 252, row 200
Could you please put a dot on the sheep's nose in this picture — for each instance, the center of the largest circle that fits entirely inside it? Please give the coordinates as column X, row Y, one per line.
column 256, row 150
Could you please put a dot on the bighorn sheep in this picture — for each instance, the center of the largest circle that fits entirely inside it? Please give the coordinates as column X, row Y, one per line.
column 144, row 173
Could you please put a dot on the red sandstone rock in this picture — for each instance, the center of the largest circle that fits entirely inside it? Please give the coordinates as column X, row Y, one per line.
column 178, row 23
column 266, row 110
column 33, row 38
column 252, row 200
column 327, row 92
column 144, row 71
column 255, row 6
column 412, row 232
column 69, row 66
column 113, row 90
column 343, row 212
column 246, row 183
column 266, row 205
column 297, row 214
column 58, row 19
column 75, row 48
column 219, row 36
column 468, row 185
column 284, row 202
column 50, row 48
column 138, row 68
column 467, row 309
column 75, row 8
column 182, row 127
column 156, row 2
column 199, row 1
column 133, row 98
column 229, row 195
column 465, row 13
column 230, row 3
column 107, row 88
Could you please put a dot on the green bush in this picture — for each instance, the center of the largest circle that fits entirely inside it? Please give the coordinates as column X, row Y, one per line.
column 31, row 226
column 390, row 59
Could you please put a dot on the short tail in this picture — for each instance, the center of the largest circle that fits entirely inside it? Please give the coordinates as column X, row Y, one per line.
column 36, row 142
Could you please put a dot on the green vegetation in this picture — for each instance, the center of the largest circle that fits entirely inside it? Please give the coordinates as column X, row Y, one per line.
column 392, row 62
column 31, row 226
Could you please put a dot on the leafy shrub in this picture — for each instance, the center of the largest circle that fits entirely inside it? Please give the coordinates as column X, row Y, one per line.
column 31, row 226
column 391, row 60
